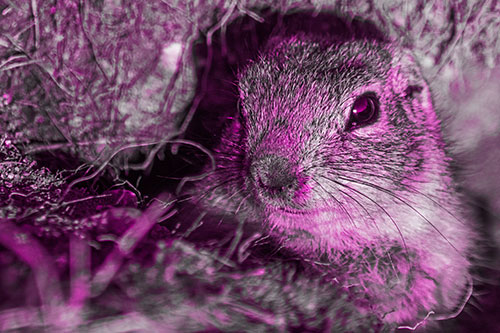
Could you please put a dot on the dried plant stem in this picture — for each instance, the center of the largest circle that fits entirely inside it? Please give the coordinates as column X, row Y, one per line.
column 33, row 253
column 34, row 10
column 126, row 244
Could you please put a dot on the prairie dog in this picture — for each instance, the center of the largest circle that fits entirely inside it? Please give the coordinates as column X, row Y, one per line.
column 337, row 152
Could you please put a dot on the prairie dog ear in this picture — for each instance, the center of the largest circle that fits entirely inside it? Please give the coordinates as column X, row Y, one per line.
column 406, row 81
column 405, row 76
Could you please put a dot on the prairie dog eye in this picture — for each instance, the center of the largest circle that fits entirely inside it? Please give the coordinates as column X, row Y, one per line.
column 364, row 111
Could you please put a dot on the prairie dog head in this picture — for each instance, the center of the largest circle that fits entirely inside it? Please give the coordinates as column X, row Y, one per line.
column 342, row 145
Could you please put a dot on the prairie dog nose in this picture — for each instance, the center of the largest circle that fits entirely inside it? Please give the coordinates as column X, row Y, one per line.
column 274, row 175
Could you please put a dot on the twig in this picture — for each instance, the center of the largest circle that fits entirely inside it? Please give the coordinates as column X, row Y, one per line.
column 144, row 165
column 19, row 33
column 195, row 178
column 250, row 13
column 67, row 203
column 19, row 64
column 18, row 57
column 242, row 249
column 60, row 86
column 222, row 22
column 195, row 225
column 103, row 166
column 34, row 10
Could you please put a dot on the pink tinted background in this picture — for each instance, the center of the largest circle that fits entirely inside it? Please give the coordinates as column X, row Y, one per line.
column 105, row 79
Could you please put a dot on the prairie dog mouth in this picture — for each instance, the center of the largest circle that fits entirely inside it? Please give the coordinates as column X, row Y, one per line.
column 293, row 211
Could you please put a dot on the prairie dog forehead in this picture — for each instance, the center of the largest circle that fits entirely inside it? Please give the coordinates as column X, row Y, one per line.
column 307, row 79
